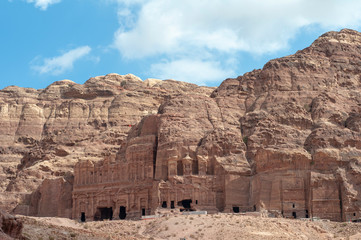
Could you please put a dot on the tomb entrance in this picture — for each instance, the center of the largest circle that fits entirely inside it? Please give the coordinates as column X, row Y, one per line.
column 82, row 217
column 103, row 213
column 186, row 203
column 236, row 209
column 122, row 212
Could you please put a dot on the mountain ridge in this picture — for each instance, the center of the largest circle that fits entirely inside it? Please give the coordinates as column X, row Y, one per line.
column 283, row 134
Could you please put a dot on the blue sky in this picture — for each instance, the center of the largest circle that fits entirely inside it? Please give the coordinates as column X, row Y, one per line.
column 203, row 42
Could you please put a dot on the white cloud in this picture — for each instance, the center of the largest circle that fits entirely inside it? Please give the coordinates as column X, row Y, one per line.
column 190, row 70
column 60, row 64
column 168, row 27
column 43, row 4
column 180, row 31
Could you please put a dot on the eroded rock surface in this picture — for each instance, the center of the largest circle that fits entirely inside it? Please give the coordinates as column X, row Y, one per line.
column 285, row 138
column 43, row 133
column 10, row 227
column 300, row 120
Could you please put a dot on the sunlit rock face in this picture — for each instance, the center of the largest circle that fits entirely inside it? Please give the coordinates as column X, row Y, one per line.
column 285, row 138
column 44, row 133
column 300, row 119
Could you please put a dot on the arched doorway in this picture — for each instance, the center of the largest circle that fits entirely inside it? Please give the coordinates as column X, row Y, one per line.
column 236, row 209
column 122, row 212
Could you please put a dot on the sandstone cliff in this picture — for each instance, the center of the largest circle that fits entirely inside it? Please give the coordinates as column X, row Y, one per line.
column 285, row 138
column 300, row 119
column 43, row 133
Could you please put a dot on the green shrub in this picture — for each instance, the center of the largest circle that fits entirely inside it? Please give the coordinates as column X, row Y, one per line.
column 245, row 140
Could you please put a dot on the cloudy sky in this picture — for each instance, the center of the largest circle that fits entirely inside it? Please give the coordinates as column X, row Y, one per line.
column 202, row 41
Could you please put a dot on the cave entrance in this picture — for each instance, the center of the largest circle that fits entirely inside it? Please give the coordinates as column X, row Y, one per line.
column 82, row 217
column 164, row 204
column 236, row 209
column 172, row 204
column 294, row 214
column 103, row 213
column 143, row 211
column 122, row 212
column 186, row 203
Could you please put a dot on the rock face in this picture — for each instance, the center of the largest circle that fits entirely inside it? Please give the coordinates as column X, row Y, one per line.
column 10, row 227
column 285, row 138
column 295, row 116
column 43, row 133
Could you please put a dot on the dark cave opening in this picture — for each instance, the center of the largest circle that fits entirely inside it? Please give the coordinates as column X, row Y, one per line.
column 122, row 212
column 103, row 213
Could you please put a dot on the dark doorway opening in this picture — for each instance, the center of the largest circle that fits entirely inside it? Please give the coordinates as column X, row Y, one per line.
column 122, row 212
column 254, row 208
column 103, row 213
column 143, row 211
column 196, row 201
column 354, row 214
column 172, row 204
column 236, row 209
column 294, row 214
column 307, row 216
column 82, row 217
column 293, row 205
column 186, row 203
column 164, row 204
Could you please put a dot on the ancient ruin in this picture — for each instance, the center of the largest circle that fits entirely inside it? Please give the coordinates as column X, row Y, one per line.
column 120, row 188
column 263, row 141
column 284, row 139
column 116, row 189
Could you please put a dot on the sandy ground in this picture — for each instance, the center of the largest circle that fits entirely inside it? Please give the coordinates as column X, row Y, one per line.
column 177, row 226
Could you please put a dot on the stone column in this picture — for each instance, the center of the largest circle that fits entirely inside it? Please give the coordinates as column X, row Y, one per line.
column 92, row 204
column 172, row 166
column 74, row 207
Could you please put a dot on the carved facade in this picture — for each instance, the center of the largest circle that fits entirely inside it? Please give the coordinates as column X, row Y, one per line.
column 128, row 188
column 117, row 188
column 147, row 174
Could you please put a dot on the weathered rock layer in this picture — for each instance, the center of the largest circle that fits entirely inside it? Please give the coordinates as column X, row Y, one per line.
column 43, row 133
column 285, row 138
column 10, row 227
